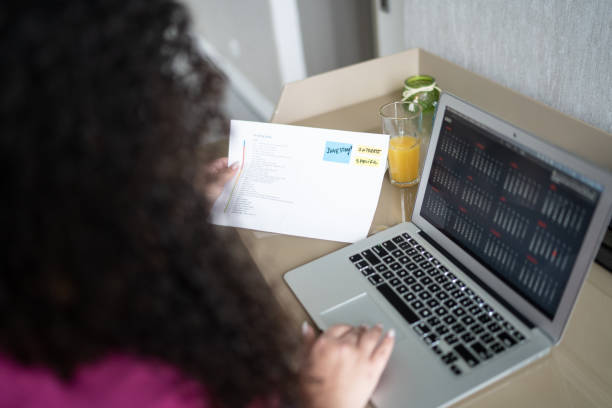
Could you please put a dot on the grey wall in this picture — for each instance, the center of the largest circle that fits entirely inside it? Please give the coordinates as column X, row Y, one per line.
column 241, row 31
column 335, row 33
column 556, row 51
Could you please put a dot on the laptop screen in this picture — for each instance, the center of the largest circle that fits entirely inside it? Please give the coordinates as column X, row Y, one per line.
column 518, row 213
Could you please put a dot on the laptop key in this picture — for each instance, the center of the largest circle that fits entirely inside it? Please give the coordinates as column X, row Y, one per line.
column 427, row 255
column 404, row 259
column 442, row 329
column 484, row 318
column 433, row 272
column 416, row 288
column 398, row 239
column 450, row 303
column 465, row 354
column 422, row 329
column 457, row 294
column 418, row 258
column 441, row 311
column 497, row 348
column 448, row 286
column 389, row 245
column 435, row 262
column 379, row 250
column 433, row 303
column 494, row 327
column 481, row 351
column 449, row 320
column 458, row 328
column 409, row 297
column 402, row 273
column 424, row 295
column 417, row 304
column 433, row 321
column 518, row 335
column 375, row 279
column 420, row 248
column 487, row 338
column 404, row 245
column 411, row 266
column 443, row 268
column 506, row 339
column 395, row 282
column 433, row 288
column 397, row 253
column 442, row 295
column 441, row 279
column 388, row 275
column 401, row 289
column 466, row 302
column 431, row 338
column 475, row 310
column 409, row 280
column 412, row 252
column 459, row 311
column 361, row 264
column 395, row 266
column 412, row 241
column 355, row 258
column 426, row 265
column 367, row 271
column 388, row 259
column 456, row 370
column 467, row 320
column 426, row 280
column 381, row 267
column 468, row 337
column 449, row 358
column 477, row 329
column 369, row 255
column 418, row 273
column 425, row 313
column 451, row 339
column 397, row 303
column 406, row 235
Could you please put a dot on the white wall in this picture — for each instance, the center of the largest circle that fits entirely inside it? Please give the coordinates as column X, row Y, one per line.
column 263, row 44
column 556, row 51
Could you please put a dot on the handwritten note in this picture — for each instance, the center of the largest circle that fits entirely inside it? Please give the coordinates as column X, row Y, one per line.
column 316, row 183
column 337, row 152
column 370, row 150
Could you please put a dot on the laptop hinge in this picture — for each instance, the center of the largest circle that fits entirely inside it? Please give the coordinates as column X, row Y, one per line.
column 465, row 270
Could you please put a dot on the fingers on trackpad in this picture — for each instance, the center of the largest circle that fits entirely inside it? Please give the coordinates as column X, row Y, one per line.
column 359, row 310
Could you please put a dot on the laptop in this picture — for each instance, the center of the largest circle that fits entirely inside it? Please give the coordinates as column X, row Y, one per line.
column 483, row 280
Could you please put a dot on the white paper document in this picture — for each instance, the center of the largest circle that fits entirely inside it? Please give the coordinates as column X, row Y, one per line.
column 316, row 183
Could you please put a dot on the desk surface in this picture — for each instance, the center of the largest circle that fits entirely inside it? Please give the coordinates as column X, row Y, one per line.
column 577, row 373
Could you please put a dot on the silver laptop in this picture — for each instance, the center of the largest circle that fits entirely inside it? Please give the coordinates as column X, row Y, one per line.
column 484, row 278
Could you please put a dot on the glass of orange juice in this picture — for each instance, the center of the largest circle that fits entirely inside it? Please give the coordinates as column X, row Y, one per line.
column 403, row 122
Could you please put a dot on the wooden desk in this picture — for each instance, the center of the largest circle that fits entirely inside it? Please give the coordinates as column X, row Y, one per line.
column 577, row 373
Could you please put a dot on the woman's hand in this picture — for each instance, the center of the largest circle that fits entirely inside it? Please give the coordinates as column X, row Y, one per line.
column 216, row 174
column 343, row 365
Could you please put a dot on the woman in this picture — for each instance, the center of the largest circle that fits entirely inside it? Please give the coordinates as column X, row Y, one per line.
column 114, row 291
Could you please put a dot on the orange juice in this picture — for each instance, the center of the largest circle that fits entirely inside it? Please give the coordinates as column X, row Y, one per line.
column 404, row 159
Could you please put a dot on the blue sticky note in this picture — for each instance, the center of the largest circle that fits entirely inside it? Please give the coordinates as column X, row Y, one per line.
column 337, row 152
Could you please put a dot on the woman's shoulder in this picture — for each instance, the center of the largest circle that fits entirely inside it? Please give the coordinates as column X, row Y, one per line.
column 117, row 380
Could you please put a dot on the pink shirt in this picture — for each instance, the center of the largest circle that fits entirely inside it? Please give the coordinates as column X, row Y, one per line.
column 118, row 381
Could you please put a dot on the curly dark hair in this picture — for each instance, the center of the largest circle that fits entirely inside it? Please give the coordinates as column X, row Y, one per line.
column 105, row 247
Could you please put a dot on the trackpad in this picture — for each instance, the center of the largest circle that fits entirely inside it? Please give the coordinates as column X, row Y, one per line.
column 359, row 310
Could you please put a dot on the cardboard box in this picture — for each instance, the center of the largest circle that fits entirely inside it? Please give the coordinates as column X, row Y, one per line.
column 348, row 99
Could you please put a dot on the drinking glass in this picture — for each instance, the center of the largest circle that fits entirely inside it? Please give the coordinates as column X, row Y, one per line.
column 403, row 122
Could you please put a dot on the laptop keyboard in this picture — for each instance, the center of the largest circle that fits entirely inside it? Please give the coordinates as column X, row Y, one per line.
column 451, row 319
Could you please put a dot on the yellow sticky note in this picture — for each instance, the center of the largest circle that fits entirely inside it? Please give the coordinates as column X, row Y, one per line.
column 369, row 150
column 367, row 161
